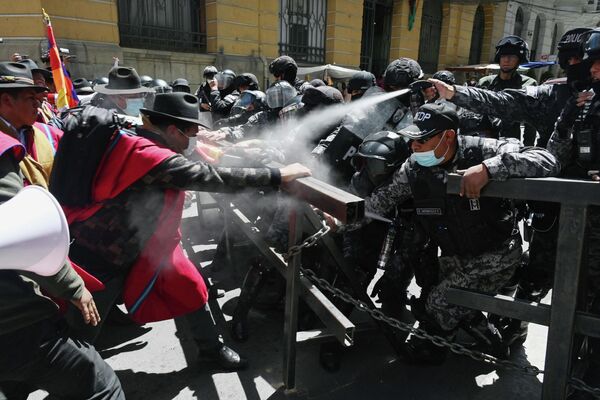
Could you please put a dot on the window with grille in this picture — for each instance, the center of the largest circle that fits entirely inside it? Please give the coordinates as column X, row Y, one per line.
column 302, row 30
column 163, row 24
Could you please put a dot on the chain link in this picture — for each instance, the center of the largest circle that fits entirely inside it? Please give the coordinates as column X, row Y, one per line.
column 439, row 341
column 308, row 242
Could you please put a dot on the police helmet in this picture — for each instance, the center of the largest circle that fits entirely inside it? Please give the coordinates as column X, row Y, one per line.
column 209, row 72
column 146, row 79
column 246, row 79
column 225, row 78
column 249, row 97
column 280, row 94
column 181, row 85
column 445, row 76
column 512, row 45
column 284, row 67
column 361, row 80
column 591, row 47
column 160, row 86
column 380, row 154
column 571, row 45
column 402, row 72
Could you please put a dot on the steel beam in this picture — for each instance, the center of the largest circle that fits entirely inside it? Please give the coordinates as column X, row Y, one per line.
column 571, row 231
column 541, row 189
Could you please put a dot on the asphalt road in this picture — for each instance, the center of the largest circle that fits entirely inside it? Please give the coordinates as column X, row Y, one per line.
column 158, row 361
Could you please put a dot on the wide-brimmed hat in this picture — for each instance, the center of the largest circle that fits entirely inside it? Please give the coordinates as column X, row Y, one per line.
column 430, row 120
column 179, row 106
column 82, row 86
column 33, row 67
column 17, row 76
column 123, row 80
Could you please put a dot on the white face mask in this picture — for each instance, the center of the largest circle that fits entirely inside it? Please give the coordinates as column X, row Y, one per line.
column 133, row 106
column 192, row 142
column 428, row 158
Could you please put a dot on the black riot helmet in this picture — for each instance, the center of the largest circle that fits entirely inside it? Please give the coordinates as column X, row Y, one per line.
column 209, row 72
column 146, row 79
column 591, row 46
column 380, row 154
column 160, row 86
column 284, row 67
column 401, row 72
column 445, row 76
column 225, row 78
column 512, row 45
column 361, row 80
column 571, row 45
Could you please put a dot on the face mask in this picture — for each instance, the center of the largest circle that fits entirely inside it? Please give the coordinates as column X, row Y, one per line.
column 578, row 76
column 428, row 158
column 191, row 147
column 133, row 107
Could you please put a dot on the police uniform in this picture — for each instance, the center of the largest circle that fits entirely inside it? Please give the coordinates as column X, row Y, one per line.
column 480, row 245
column 575, row 144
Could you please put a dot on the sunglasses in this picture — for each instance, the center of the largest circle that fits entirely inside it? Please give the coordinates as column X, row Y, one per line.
column 427, row 139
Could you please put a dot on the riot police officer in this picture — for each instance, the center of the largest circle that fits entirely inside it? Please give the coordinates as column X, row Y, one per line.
column 575, row 143
column 480, row 249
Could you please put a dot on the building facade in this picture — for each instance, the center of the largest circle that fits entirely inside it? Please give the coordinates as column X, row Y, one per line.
column 178, row 38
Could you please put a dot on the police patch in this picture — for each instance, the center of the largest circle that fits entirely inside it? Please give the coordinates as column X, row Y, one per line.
column 429, row 211
column 474, row 205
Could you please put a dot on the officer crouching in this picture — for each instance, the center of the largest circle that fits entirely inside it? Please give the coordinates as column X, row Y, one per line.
column 478, row 237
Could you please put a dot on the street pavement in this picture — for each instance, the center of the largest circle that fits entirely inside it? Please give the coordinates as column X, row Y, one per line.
column 158, row 361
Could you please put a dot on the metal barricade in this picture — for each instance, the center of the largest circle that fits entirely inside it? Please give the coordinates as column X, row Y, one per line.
column 562, row 318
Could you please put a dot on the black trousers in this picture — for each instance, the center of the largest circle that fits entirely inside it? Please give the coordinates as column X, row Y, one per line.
column 42, row 357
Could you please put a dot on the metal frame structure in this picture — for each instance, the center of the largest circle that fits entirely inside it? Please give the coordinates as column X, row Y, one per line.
column 562, row 318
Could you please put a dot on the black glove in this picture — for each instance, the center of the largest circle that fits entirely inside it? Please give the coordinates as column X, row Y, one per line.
column 567, row 118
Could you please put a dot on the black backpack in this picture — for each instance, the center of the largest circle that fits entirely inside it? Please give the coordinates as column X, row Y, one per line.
column 88, row 132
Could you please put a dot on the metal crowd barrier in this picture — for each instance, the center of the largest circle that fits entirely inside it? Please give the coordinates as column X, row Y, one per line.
column 561, row 317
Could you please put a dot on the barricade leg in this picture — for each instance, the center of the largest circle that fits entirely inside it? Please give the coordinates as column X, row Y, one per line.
column 564, row 301
column 292, row 277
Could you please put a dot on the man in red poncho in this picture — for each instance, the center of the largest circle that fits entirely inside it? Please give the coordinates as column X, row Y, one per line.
column 128, row 236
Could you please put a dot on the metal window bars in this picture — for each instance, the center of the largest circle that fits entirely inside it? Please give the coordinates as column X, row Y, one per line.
column 302, row 25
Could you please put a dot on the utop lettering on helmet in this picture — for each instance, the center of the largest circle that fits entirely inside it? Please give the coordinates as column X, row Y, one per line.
column 280, row 94
column 512, row 45
column 571, row 45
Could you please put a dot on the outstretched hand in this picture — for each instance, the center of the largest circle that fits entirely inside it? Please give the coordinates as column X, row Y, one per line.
column 444, row 90
column 293, row 171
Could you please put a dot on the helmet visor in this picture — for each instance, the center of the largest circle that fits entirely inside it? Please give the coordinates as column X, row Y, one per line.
column 592, row 46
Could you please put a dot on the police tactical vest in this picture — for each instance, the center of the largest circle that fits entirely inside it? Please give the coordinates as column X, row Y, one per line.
column 459, row 226
column 586, row 140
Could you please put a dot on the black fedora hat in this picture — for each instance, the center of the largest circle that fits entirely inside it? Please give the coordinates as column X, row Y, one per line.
column 179, row 106
column 123, row 80
column 17, row 76
column 33, row 67
column 82, row 86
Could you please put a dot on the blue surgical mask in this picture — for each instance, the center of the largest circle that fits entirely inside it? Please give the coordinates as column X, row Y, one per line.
column 133, row 106
column 428, row 158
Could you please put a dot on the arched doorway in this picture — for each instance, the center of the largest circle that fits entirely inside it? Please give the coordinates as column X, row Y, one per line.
column 477, row 36
column 536, row 39
column 431, row 31
column 518, row 30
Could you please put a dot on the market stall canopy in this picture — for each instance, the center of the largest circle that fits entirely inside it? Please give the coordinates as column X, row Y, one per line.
column 329, row 70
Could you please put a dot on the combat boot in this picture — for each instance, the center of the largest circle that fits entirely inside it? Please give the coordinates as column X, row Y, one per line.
column 487, row 337
column 253, row 282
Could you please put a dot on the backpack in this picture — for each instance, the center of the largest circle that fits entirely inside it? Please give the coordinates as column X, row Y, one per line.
column 88, row 131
